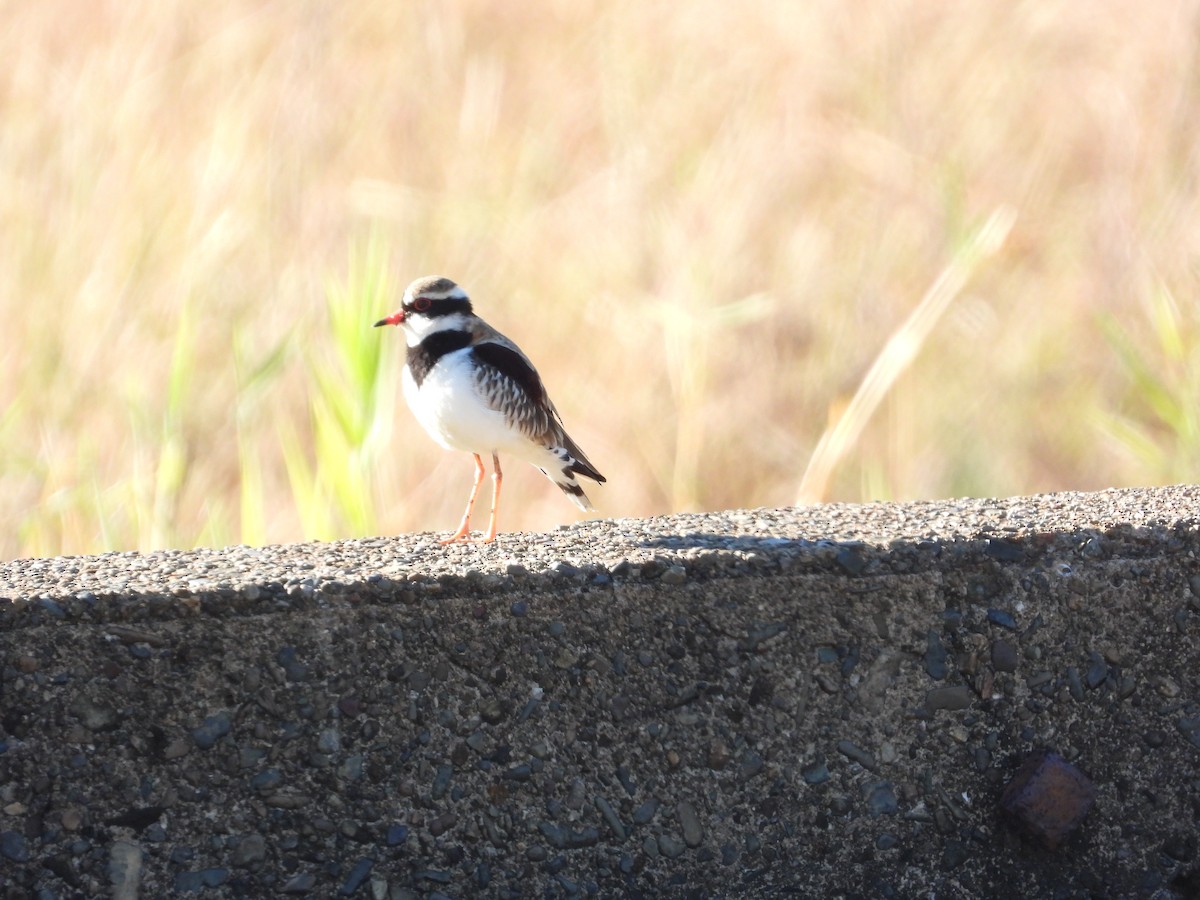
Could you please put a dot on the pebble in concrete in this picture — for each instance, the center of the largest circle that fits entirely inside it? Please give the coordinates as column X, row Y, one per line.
column 610, row 816
column 14, row 846
column 693, row 831
column 124, row 869
column 935, row 656
column 956, row 697
column 853, row 752
column 1049, row 797
column 1004, row 656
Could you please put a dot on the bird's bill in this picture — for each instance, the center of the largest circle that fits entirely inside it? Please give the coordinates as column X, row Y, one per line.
column 393, row 319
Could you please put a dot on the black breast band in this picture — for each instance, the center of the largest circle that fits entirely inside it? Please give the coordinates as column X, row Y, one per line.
column 423, row 357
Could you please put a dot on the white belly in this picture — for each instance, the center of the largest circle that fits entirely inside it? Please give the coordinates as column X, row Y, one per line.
column 449, row 408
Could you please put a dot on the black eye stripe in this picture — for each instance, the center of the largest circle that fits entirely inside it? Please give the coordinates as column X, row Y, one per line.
column 440, row 307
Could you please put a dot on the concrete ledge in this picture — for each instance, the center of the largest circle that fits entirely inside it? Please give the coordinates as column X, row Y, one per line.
column 822, row 701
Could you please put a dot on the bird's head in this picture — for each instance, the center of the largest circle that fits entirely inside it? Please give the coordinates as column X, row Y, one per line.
column 430, row 304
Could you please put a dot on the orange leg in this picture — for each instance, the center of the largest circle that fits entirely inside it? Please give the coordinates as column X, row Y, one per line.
column 497, row 479
column 464, row 527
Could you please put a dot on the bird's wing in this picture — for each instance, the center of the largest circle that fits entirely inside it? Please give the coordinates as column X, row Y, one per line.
column 509, row 384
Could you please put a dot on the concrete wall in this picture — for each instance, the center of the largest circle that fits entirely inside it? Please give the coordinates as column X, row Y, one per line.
column 816, row 701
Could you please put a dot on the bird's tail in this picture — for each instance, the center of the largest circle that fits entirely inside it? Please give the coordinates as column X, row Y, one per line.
column 573, row 490
column 572, row 463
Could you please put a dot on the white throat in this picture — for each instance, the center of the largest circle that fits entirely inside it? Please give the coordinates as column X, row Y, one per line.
column 418, row 327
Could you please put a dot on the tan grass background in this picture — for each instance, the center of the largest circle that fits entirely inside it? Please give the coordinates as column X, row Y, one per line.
column 702, row 220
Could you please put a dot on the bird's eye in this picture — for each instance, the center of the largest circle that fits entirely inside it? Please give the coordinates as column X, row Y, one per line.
column 420, row 304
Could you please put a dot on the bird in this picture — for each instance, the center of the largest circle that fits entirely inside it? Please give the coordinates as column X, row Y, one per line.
column 474, row 390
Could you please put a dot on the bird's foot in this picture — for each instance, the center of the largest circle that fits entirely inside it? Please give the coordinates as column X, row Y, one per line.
column 467, row 539
column 463, row 534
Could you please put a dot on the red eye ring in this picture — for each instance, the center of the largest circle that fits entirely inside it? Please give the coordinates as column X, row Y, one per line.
column 421, row 304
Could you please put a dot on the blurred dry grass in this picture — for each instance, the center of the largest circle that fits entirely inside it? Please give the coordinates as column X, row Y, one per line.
column 703, row 221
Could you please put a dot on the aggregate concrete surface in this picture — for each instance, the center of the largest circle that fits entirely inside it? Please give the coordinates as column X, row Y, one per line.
column 825, row 701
